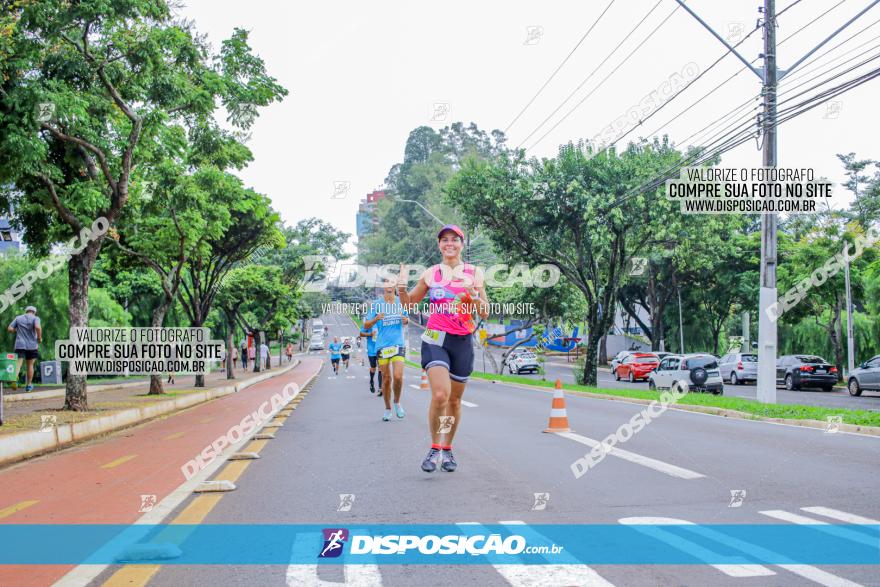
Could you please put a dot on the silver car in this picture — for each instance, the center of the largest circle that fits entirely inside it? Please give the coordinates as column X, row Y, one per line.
column 865, row 376
column 738, row 367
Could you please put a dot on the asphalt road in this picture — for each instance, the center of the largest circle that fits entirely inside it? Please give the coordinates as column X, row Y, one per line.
column 683, row 465
column 557, row 367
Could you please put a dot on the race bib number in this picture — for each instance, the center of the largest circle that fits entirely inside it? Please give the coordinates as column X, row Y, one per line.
column 388, row 352
column 434, row 337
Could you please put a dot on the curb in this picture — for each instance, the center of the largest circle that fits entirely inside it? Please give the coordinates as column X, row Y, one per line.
column 50, row 393
column 22, row 445
column 723, row 412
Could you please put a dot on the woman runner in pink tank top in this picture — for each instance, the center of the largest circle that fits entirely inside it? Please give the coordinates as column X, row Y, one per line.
column 456, row 291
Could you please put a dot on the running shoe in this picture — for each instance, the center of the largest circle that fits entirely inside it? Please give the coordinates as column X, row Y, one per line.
column 380, row 393
column 398, row 409
column 387, row 415
column 447, row 461
column 31, row 388
column 372, row 387
column 429, row 465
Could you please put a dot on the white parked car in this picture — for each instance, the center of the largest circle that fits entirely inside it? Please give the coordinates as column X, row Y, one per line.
column 699, row 372
column 521, row 360
column 317, row 343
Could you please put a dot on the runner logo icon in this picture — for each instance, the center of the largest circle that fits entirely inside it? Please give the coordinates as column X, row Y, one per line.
column 334, row 540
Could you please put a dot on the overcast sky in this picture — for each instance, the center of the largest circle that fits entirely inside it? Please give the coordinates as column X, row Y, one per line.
column 362, row 75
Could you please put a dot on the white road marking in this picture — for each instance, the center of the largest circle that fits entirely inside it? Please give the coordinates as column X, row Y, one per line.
column 469, row 404
column 414, row 386
column 520, row 575
column 821, row 526
column 663, row 467
column 839, row 515
column 299, row 575
column 692, row 548
column 806, row 571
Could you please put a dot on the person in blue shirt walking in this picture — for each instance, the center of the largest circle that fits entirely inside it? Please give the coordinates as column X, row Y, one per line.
column 370, row 335
column 388, row 316
column 335, row 349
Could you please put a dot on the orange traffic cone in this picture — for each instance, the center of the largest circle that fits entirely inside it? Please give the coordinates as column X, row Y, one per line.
column 424, row 383
column 558, row 415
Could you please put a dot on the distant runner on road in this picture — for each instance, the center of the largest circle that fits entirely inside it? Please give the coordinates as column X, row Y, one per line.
column 346, row 352
column 456, row 290
column 389, row 317
column 370, row 335
column 334, row 348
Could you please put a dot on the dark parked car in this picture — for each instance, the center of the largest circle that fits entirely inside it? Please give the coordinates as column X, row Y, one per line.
column 866, row 376
column 797, row 371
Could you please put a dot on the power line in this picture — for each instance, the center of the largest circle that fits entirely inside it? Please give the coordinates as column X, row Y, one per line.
column 586, row 79
column 717, row 87
column 555, row 71
column 794, row 3
column 737, row 138
column 625, row 59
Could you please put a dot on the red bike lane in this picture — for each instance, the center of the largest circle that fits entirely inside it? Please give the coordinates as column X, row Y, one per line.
column 103, row 481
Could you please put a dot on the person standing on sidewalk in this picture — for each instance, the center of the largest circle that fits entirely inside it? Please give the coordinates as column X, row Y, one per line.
column 244, row 353
column 289, row 352
column 264, row 355
column 28, row 336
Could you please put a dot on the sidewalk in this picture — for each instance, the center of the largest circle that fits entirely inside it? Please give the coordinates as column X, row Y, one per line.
column 39, row 426
column 121, row 478
column 104, row 397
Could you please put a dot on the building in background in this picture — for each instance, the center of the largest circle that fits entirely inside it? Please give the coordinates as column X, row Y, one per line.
column 365, row 220
column 9, row 239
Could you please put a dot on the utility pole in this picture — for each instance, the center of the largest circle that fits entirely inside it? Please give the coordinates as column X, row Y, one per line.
column 680, row 323
column 850, row 343
column 769, row 75
column 747, row 343
column 767, row 332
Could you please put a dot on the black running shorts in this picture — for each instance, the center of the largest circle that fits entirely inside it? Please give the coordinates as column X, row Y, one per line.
column 456, row 354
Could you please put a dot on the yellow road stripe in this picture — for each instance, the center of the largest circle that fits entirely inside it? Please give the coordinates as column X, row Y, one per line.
column 118, row 462
column 197, row 510
column 6, row 512
column 255, row 446
column 173, row 436
column 132, row 575
column 232, row 471
column 206, row 420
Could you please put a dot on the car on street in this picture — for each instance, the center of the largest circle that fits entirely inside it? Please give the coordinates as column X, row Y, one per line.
column 316, row 343
column 697, row 371
column 636, row 366
column 522, row 360
column 799, row 371
column 865, row 376
column 618, row 358
column 738, row 367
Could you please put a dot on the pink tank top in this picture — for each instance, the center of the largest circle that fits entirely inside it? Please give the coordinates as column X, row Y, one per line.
column 443, row 308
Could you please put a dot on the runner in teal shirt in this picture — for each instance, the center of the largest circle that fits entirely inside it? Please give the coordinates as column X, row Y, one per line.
column 335, row 347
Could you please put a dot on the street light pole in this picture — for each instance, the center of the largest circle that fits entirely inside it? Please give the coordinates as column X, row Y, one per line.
column 419, row 204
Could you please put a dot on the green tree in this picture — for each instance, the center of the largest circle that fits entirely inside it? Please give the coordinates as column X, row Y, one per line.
column 575, row 211
column 87, row 91
column 252, row 226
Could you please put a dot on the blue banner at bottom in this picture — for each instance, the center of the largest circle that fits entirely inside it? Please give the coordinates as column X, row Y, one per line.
column 270, row 544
